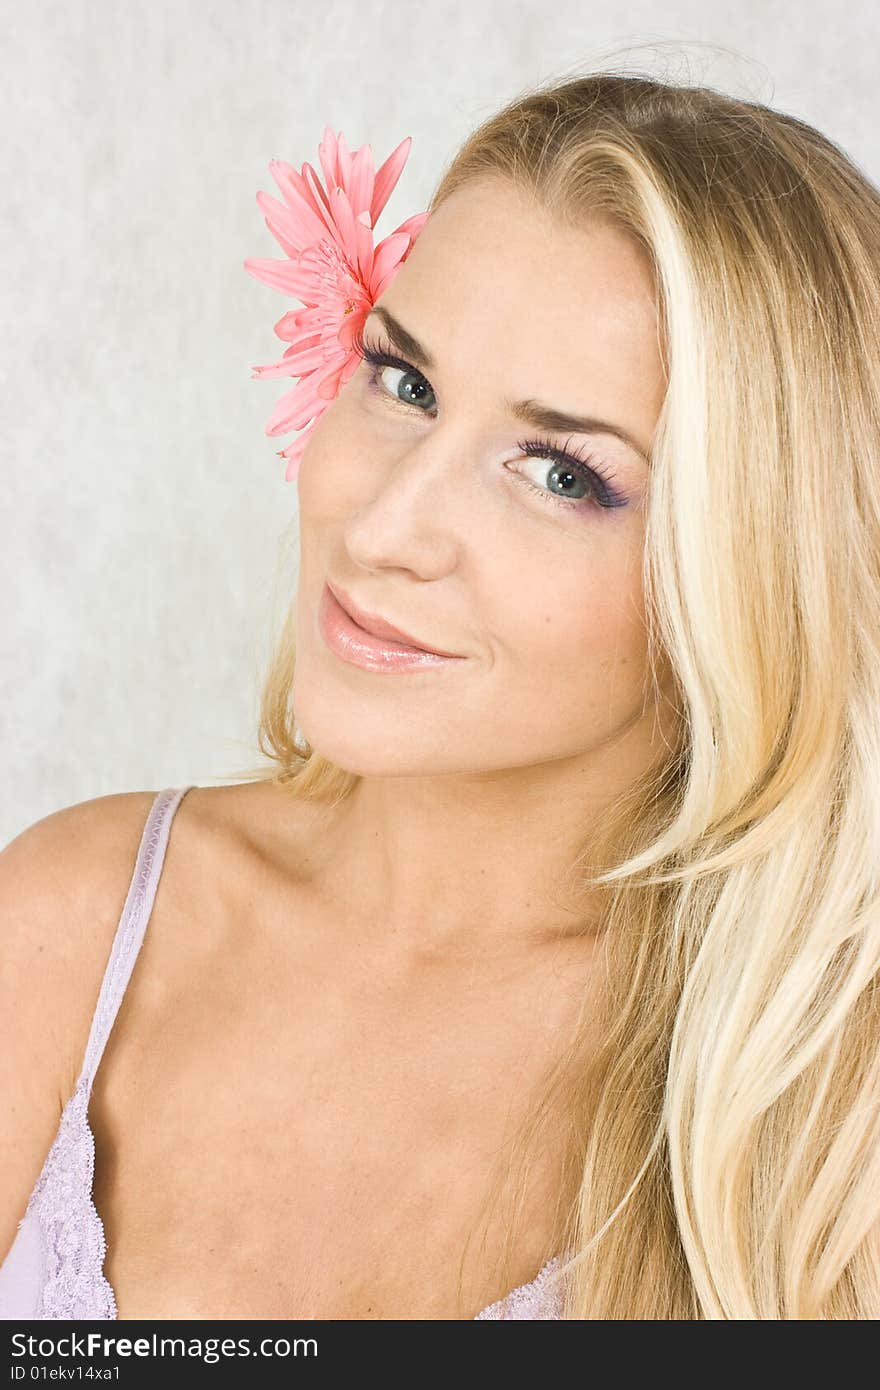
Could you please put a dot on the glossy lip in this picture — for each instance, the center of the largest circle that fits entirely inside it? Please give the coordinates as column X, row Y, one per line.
column 357, row 647
column 378, row 627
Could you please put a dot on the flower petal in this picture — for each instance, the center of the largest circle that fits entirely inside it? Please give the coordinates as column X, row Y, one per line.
column 295, row 408
column 294, row 452
column 387, row 175
column 344, row 158
column 272, row 369
column 360, row 182
column 305, row 356
column 299, row 197
column 352, row 362
column 385, row 261
column 346, row 225
column 287, row 276
column 413, row 225
column 320, row 196
column 350, row 326
column 302, row 356
column 300, row 323
column 363, row 235
column 328, row 387
column 328, row 154
column 298, row 217
column 284, row 411
column 282, row 224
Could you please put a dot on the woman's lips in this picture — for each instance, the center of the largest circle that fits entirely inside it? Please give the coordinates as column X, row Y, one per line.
column 379, row 626
column 355, row 645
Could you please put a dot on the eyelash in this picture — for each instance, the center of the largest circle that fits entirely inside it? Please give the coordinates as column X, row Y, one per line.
column 604, row 496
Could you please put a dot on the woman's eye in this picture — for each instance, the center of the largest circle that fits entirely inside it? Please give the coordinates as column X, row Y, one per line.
column 567, row 480
column 561, row 480
column 410, row 387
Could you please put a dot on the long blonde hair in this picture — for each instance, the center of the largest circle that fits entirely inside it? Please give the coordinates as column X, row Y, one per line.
column 725, row 1137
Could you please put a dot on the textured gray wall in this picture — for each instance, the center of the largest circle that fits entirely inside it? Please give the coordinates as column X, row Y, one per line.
column 144, row 510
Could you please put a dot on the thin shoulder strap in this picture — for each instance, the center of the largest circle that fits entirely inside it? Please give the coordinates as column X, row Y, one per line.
column 132, row 924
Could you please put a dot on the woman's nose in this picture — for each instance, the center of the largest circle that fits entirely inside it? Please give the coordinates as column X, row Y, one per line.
column 419, row 510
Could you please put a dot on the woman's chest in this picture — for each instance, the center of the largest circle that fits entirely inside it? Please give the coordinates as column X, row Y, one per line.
column 337, row 1169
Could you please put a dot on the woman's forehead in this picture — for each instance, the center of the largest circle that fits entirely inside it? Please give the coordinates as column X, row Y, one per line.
column 488, row 256
column 566, row 316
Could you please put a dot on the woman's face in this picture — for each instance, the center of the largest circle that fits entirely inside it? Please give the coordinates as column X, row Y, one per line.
column 419, row 501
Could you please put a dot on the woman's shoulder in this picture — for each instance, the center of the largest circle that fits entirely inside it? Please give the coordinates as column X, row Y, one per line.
column 65, row 877
column 69, row 860
column 63, row 882
column 61, row 870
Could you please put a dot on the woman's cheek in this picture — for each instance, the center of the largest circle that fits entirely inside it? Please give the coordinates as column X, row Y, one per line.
column 324, row 480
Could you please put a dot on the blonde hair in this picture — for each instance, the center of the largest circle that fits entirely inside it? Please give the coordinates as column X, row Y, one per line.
column 725, row 1137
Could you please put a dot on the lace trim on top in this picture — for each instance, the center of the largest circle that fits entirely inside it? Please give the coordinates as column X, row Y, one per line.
column 62, row 1200
column 73, row 1233
column 540, row 1299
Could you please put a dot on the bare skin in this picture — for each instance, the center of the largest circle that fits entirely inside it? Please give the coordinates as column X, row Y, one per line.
column 294, row 1119
column 338, row 1016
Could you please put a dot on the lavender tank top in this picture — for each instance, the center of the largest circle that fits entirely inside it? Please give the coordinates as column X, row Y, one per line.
column 55, row 1265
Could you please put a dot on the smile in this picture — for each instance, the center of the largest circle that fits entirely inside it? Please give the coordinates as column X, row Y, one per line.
column 355, row 645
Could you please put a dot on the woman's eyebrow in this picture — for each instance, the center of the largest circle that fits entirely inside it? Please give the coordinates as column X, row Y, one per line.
column 531, row 412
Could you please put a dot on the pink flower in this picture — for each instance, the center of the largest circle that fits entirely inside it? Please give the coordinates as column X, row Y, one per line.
column 333, row 267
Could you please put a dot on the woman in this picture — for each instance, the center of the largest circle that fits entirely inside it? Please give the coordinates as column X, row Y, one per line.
column 551, row 965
